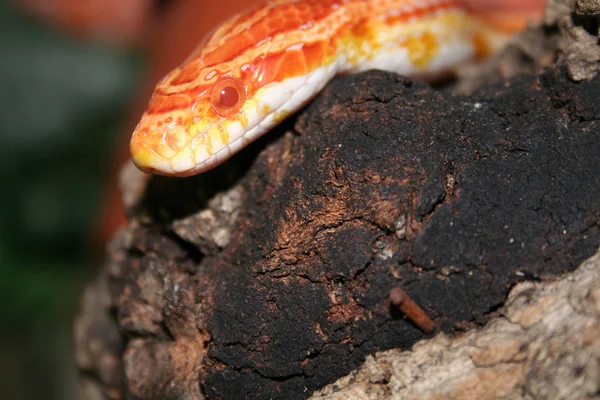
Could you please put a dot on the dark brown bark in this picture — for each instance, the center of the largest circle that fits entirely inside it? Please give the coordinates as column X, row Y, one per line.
column 270, row 276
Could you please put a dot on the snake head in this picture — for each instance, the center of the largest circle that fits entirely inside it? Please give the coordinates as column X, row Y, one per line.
column 188, row 127
column 198, row 119
column 243, row 79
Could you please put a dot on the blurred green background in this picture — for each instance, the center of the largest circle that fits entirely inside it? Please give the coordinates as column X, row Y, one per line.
column 62, row 102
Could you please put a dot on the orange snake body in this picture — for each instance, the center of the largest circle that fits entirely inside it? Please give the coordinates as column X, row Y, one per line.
column 260, row 66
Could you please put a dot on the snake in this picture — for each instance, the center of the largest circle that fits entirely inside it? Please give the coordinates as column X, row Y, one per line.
column 260, row 66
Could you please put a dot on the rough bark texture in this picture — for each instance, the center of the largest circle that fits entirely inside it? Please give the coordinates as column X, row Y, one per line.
column 269, row 276
column 545, row 344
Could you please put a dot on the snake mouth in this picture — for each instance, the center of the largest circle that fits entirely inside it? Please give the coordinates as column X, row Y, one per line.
column 146, row 159
column 149, row 161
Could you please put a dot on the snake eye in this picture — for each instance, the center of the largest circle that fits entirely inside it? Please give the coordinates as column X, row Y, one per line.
column 227, row 96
